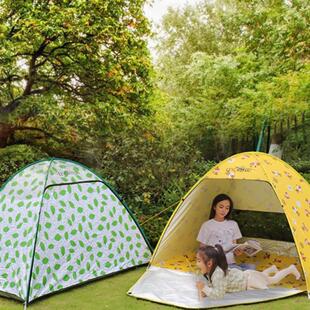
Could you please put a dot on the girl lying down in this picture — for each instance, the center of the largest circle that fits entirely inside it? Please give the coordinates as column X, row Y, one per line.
column 213, row 265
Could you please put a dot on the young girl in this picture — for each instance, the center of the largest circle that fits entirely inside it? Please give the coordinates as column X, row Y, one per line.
column 219, row 229
column 213, row 265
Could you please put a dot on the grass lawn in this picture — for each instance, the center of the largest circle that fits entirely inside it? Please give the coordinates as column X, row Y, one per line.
column 110, row 293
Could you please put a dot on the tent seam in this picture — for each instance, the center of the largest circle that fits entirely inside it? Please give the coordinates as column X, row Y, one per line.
column 116, row 194
column 36, row 235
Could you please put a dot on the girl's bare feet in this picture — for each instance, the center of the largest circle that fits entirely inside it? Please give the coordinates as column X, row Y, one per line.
column 295, row 272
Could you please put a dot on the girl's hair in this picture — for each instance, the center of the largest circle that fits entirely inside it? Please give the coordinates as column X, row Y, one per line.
column 218, row 199
column 216, row 254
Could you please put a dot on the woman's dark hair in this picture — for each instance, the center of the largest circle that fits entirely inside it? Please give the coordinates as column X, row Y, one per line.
column 216, row 254
column 218, row 199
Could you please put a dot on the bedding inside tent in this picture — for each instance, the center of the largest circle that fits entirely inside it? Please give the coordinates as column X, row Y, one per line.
column 171, row 275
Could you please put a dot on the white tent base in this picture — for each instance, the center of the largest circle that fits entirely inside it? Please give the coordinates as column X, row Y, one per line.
column 178, row 288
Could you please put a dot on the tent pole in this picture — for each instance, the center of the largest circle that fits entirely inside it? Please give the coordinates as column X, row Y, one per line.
column 268, row 138
column 261, row 136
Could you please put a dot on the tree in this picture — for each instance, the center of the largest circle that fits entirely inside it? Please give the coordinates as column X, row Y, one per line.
column 191, row 30
column 227, row 66
column 70, row 67
column 276, row 31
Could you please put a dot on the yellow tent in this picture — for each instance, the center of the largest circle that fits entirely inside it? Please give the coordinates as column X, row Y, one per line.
column 257, row 182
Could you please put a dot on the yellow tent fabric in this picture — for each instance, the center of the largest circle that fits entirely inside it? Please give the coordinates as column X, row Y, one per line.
column 255, row 181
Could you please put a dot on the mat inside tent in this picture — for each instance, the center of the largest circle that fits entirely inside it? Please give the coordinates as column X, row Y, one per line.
column 173, row 281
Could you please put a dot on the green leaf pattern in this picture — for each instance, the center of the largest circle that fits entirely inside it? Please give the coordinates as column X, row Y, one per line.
column 84, row 232
column 68, row 172
column 20, row 201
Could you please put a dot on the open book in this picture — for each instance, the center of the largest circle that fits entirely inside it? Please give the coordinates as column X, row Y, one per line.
column 249, row 247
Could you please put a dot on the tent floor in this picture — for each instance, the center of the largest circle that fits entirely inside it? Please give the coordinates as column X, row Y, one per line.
column 263, row 260
column 173, row 281
column 177, row 288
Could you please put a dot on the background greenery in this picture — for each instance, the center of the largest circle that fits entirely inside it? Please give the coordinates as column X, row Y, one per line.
column 77, row 81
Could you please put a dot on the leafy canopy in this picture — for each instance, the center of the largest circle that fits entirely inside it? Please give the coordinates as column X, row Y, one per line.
column 226, row 66
column 73, row 65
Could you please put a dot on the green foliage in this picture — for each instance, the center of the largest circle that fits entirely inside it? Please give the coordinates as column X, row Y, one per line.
column 149, row 171
column 277, row 31
column 73, row 69
column 170, row 198
column 306, row 176
column 13, row 158
column 302, row 165
column 297, row 147
column 263, row 225
column 226, row 66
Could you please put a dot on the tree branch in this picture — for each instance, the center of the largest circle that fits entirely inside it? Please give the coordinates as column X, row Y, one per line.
column 40, row 130
column 16, row 102
column 11, row 78
column 48, row 54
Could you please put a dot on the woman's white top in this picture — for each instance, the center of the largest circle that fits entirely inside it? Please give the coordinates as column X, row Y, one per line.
column 213, row 232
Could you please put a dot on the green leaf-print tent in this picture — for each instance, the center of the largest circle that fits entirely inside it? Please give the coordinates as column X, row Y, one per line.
column 62, row 225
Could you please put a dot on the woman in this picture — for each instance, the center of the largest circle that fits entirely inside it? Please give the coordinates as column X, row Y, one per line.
column 219, row 229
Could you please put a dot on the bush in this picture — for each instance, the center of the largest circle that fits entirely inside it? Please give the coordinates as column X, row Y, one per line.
column 306, row 176
column 296, row 147
column 170, row 199
column 301, row 165
column 263, row 225
column 15, row 157
column 151, row 173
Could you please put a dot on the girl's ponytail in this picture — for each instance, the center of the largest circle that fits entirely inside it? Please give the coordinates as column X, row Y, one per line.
column 221, row 258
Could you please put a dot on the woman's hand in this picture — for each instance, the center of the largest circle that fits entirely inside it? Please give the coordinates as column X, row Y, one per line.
column 238, row 252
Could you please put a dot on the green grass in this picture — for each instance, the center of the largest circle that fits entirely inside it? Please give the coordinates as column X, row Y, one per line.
column 110, row 293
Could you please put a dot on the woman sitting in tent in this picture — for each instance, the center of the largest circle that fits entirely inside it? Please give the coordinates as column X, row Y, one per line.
column 219, row 229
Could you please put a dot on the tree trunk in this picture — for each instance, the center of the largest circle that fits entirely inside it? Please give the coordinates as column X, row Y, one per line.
column 6, row 131
column 304, row 128
column 234, row 146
